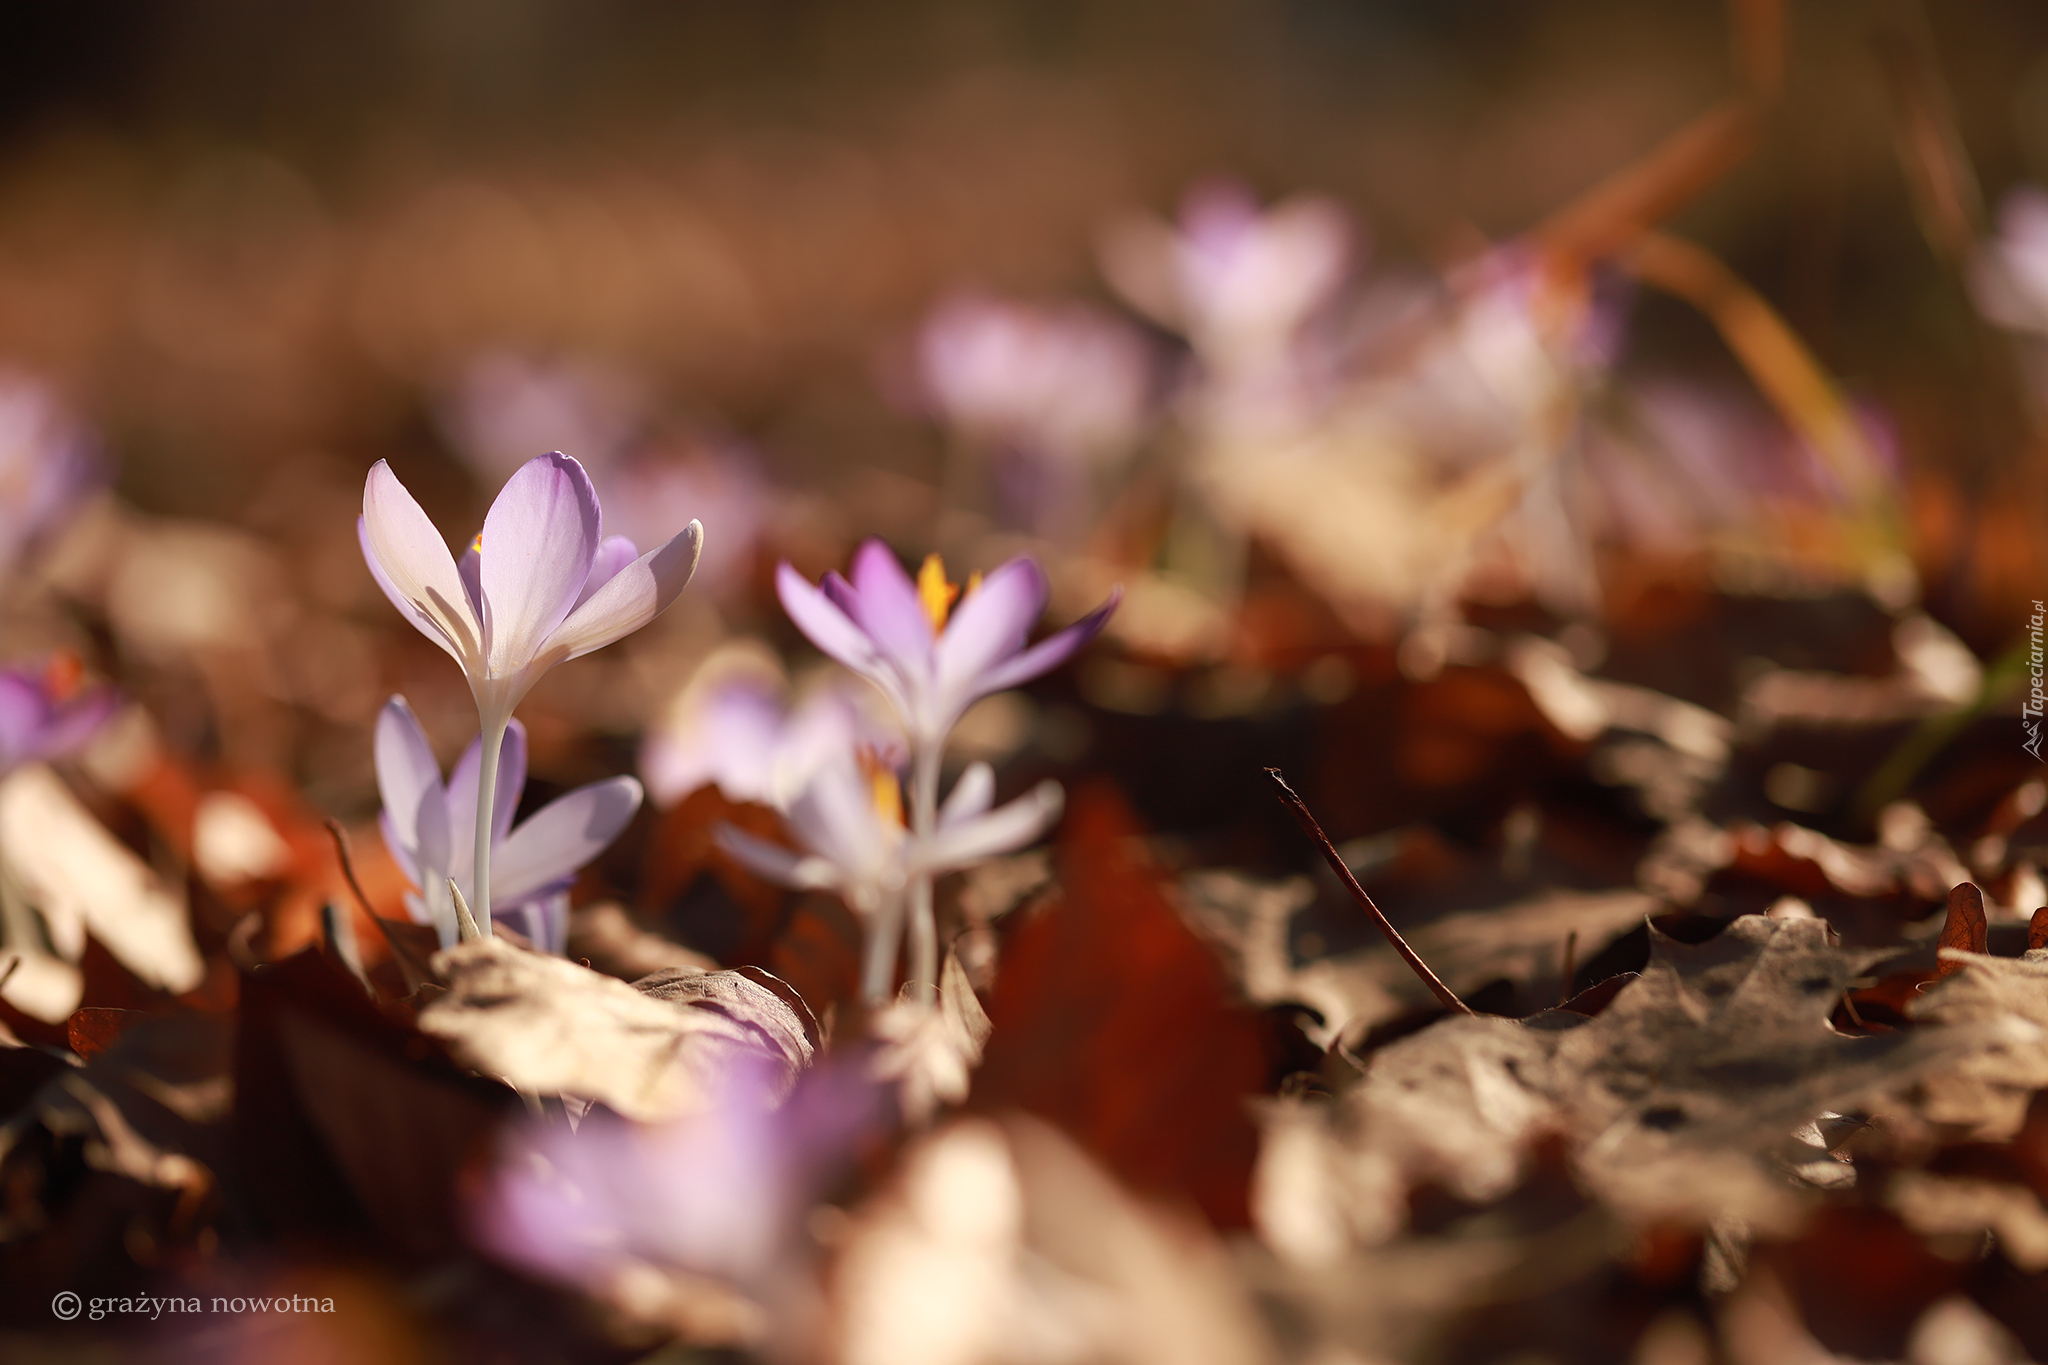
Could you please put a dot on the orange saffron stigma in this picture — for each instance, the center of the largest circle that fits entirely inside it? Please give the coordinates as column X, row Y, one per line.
column 935, row 592
column 63, row 675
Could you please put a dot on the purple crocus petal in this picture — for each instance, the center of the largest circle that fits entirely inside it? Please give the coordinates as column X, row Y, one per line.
column 971, row 795
column 561, row 837
column 511, row 782
column 989, row 627
column 405, row 765
column 542, row 921
column 1051, row 652
column 22, row 705
column 783, row 866
column 826, row 623
column 395, row 843
column 613, row 554
column 74, row 723
column 470, row 566
column 634, row 596
column 1003, row 830
column 835, row 818
column 540, row 538
column 433, row 847
column 425, row 624
column 888, row 609
column 415, row 563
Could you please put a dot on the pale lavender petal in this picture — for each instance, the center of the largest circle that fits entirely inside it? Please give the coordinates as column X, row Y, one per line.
column 425, row 624
column 542, row 921
column 1003, row 830
column 432, row 848
column 971, row 795
column 560, row 837
column 539, row 540
column 406, row 769
column 990, row 626
column 1051, row 652
column 840, row 594
column 888, row 608
column 21, row 715
column 635, row 595
column 395, row 844
column 825, row 622
column 835, row 818
column 471, row 567
column 613, row 554
column 411, row 563
column 783, row 866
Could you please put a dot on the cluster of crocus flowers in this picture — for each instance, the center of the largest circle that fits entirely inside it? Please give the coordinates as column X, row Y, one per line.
column 540, row 585
column 931, row 659
column 427, row 826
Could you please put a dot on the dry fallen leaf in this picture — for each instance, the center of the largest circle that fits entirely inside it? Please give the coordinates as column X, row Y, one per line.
column 551, row 1027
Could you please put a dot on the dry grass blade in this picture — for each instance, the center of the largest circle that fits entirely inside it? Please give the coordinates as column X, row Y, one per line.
column 1314, row 830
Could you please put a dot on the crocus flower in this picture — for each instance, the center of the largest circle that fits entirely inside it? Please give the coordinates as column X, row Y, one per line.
column 849, row 822
column 930, row 660
column 541, row 584
column 428, row 827
column 733, row 728
column 44, row 713
column 47, row 463
column 505, row 405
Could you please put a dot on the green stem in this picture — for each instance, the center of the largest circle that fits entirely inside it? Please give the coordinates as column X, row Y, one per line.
column 486, row 796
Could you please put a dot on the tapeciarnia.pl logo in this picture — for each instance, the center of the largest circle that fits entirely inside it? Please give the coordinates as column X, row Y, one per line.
column 2037, row 695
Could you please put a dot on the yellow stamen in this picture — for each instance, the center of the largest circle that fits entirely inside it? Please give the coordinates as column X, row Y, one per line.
column 478, row 543
column 935, row 592
column 887, row 793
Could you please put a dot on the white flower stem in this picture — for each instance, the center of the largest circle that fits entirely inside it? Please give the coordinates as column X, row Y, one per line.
column 486, row 797
column 924, row 928
column 885, row 936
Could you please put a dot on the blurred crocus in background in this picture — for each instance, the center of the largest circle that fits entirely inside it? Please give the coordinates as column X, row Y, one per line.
column 48, row 711
column 48, row 462
column 505, row 404
column 1050, row 397
column 427, row 826
column 550, row 587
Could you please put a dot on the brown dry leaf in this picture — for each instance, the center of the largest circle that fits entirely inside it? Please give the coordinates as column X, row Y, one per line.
column 930, row 1053
column 1002, row 1244
column 1521, row 942
column 1985, row 1091
column 1682, row 1101
column 667, row 1047
column 82, row 880
column 606, row 937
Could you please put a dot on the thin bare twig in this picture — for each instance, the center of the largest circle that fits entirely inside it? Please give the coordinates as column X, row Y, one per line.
column 1337, row 865
column 348, row 865
column 1571, row 967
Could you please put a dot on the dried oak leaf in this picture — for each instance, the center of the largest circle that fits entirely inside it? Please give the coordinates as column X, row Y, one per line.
column 1112, row 1019
column 1985, row 1091
column 1522, row 942
column 666, row 1046
column 1680, row 1101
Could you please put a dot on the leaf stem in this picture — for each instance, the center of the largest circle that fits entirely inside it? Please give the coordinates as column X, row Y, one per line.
column 1337, row 864
column 486, row 796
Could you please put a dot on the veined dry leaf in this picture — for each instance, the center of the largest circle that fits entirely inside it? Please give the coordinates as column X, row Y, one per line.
column 1985, row 1091
column 669, row 1046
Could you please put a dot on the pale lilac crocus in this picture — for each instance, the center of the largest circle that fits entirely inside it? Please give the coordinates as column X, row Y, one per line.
column 932, row 661
column 735, row 729
column 540, row 585
column 849, row 823
column 428, row 828
column 48, row 462
column 44, row 714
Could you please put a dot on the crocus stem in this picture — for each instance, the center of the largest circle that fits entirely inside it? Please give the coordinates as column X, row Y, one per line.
column 486, row 795
column 885, row 936
column 924, row 816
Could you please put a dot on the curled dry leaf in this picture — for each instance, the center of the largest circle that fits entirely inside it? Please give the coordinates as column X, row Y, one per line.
column 1984, row 1093
column 668, row 1047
